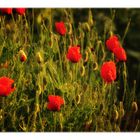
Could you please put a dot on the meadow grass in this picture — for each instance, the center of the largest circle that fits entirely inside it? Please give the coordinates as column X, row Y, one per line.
column 90, row 103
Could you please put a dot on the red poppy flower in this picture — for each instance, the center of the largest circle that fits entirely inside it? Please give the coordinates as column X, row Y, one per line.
column 20, row 11
column 60, row 28
column 120, row 54
column 108, row 71
column 6, row 10
column 112, row 43
column 55, row 102
column 74, row 54
column 6, row 86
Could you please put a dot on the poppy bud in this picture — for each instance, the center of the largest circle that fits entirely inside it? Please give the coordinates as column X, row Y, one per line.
column 39, row 58
column 39, row 19
column 121, row 111
column 1, row 111
column 22, row 55
column 115, row 115
column 86, row 26
column 90, row 18
column 88, row 125
column 5, row 65
column 8, row 27
column 95, row 66
column 78, row 99
column 86, row 58
column 1, row 117
column 70, row 29
column 134, row 107
column 37, row 108
column 82, row 71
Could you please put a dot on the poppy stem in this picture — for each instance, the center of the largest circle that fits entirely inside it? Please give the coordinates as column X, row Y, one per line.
column 3, row 105
column 54, row 116
column 60, row 60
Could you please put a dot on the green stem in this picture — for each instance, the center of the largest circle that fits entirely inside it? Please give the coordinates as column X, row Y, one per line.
column 54, row 117
column 3, row 118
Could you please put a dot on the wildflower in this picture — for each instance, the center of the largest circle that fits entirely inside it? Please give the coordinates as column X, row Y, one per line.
column 108, row 71
column 6, row 10
column 120, row 54
column 6, row 86
column 23, row 56
column 74, row 54
column 112, row 43
column 20, row 11
column 55, row 102
column 60, row 28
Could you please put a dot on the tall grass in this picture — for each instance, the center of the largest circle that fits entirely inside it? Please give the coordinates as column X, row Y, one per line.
column 90, row 103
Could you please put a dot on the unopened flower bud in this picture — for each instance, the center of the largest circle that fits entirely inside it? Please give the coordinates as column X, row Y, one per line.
column 87, row 57
column 86, row 26
column 121, row 111
column 82, row 71
column 88, row 125
column 134, row 107
column 115, row 115
column 78, row 99
column 39, row 58
column 22, row 55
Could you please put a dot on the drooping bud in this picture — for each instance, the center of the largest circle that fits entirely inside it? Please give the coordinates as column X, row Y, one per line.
column 86, row 27
column 70, row 29
column 82, row 71
column 78, row 99
column 90, row 18
column 39, row 58
column 121, row 111
column 87, row 57
column 134, row 107
column 88, row 124
column 115, row 115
